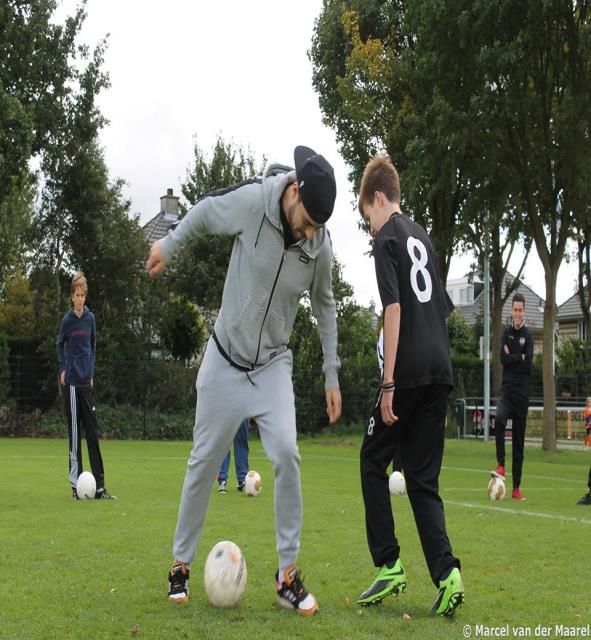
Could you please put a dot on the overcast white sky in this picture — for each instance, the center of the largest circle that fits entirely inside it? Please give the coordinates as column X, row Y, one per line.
column 183, row 69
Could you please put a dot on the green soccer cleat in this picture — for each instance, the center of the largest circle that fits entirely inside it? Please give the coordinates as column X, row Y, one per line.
column 389, row 580
column 451, row 594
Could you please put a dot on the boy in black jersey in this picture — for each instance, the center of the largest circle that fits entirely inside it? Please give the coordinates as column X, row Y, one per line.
column 517, row 352
column 411, row 403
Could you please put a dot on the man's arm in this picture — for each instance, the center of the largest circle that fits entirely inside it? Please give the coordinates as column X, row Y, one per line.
column 325, row 311
column 391, row 336
column 224, row 212
column 508, row 359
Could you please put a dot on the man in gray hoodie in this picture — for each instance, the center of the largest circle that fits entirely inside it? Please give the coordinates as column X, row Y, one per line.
column 281, row 250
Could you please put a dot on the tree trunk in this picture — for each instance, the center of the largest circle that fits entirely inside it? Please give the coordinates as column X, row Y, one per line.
column 497, row 329
column 549, row 436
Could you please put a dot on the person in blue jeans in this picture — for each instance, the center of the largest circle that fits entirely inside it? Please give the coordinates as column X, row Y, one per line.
column 240, row 460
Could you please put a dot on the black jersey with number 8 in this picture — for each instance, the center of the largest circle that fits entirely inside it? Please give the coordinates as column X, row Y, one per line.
column 406, row 271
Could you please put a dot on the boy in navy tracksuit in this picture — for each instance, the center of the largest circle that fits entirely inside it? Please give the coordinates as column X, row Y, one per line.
column 76, row 345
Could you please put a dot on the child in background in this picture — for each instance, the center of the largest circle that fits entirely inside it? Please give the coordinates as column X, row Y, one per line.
column 587, row 421
column 76, row 346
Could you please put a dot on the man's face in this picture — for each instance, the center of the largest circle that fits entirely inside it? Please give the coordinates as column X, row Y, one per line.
column 517, row 312
column 78, row 298
column 301, row 224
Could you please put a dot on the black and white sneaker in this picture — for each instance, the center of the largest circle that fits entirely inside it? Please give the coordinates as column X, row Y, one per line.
column 222, row 487
column 292, row 594
column 75, row 494
column 240, row 486
column 103, row 494
column 178, row 583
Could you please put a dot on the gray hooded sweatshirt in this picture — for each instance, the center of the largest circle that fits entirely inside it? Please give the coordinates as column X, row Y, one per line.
column 265, row 282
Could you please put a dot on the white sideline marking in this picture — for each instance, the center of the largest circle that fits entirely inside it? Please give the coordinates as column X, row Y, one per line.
column 483, row 491
column 525, row 475
column 261, row 454
column 519, row 512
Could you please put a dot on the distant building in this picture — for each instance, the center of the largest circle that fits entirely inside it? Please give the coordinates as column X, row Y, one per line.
column 570, row 320
column 168, row 216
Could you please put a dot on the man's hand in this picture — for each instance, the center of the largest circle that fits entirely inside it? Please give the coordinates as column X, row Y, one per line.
column 506, row 349
column 63, row 378
column 156, row 260
column 386, row 407
column 333, row 404
column 92, row 382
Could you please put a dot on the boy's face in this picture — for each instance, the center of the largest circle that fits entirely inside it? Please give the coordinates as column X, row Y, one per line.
column 373, row 214
column 78, row 298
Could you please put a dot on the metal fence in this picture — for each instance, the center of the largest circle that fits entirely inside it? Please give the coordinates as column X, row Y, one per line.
column 155, row 399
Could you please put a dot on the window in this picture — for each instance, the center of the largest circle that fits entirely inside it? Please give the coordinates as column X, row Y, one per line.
column 582, row 331
column 466, row 295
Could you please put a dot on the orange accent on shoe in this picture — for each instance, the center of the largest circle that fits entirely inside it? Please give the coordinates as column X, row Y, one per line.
column 516, row 494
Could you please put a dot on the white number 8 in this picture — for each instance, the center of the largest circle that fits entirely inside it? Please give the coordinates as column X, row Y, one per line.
column 418, row 265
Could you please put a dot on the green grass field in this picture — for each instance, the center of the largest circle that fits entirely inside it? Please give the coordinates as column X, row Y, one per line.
column 95, row 569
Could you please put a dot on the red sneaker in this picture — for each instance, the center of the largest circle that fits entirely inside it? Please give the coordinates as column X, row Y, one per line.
column 499, row 472
column 517, row 495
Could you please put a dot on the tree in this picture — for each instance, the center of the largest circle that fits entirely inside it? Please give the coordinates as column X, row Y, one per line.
column 462, row 341
column 200, row 269
column 16, row 206
column 357, row 332
column 487, row 89
column 538, row 69
column 17, row 315
column 39, row 81
column 382, row 89
column 182, row 329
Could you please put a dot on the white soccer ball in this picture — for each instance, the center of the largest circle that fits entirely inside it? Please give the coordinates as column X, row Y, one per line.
column 496, row 488
column 253, row 484
column 397, row 484
column 225, row 574
column 86, row 486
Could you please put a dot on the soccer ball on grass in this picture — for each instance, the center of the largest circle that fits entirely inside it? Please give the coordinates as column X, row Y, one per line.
column 86, row 486
column 225, row 574
column 253, row 484
column 397, row 484
column 496, row 489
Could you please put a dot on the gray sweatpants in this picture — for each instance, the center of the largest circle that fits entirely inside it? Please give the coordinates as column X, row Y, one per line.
column 225, row 397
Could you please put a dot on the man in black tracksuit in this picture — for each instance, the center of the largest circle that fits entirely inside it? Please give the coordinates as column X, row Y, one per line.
column 76, row 346
column 517, row 350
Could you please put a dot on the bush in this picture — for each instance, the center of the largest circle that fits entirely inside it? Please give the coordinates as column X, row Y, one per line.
column 4, row 369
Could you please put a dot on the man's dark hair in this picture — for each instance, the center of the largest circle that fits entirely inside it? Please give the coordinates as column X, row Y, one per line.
column 518, row 297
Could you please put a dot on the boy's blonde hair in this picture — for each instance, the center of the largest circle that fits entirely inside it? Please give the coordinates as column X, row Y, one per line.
column 79, row 281
column 588, row 399
column 379, row 175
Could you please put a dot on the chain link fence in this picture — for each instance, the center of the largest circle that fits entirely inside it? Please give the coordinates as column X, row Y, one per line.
column 155, row 399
